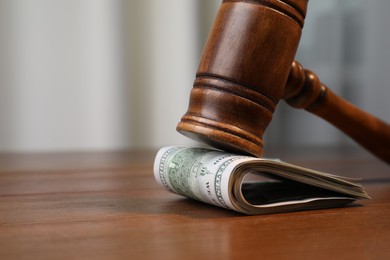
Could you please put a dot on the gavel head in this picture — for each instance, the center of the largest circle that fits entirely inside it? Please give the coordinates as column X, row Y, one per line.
column 242, row 73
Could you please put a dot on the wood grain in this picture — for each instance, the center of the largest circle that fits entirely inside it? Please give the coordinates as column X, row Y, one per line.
column 108, row 206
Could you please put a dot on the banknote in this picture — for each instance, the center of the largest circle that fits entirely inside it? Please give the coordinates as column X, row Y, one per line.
column 250, row 185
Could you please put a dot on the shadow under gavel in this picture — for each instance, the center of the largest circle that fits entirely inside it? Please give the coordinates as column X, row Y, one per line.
column 248, row 66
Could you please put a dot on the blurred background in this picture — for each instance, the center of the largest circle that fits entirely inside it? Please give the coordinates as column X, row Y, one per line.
column 116, row 74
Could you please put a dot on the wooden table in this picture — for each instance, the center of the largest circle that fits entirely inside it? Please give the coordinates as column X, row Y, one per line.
column 107, row 205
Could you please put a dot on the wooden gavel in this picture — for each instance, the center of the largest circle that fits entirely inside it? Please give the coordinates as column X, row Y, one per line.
column 248, row 65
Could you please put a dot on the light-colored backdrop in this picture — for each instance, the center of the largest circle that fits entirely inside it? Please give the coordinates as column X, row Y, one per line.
column 116, row 74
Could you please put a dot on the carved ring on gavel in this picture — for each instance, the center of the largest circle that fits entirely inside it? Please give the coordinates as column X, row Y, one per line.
column 248, row 66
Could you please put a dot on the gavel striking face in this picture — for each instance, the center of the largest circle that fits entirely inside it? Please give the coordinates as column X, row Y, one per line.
column 248, row 65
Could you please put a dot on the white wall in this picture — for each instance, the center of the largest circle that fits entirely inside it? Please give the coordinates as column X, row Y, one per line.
column 165, row 39
column 375, row 90
column 61, row 75
column 162, row 60
column 97, row 74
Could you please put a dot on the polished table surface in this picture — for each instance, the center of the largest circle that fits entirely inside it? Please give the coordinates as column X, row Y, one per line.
column 107, row 205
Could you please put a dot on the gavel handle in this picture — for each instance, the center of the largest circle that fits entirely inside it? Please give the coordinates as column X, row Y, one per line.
column 304, row 90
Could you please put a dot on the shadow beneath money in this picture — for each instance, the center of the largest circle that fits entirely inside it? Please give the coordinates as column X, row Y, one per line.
column 198, row 210
column 162, row 205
